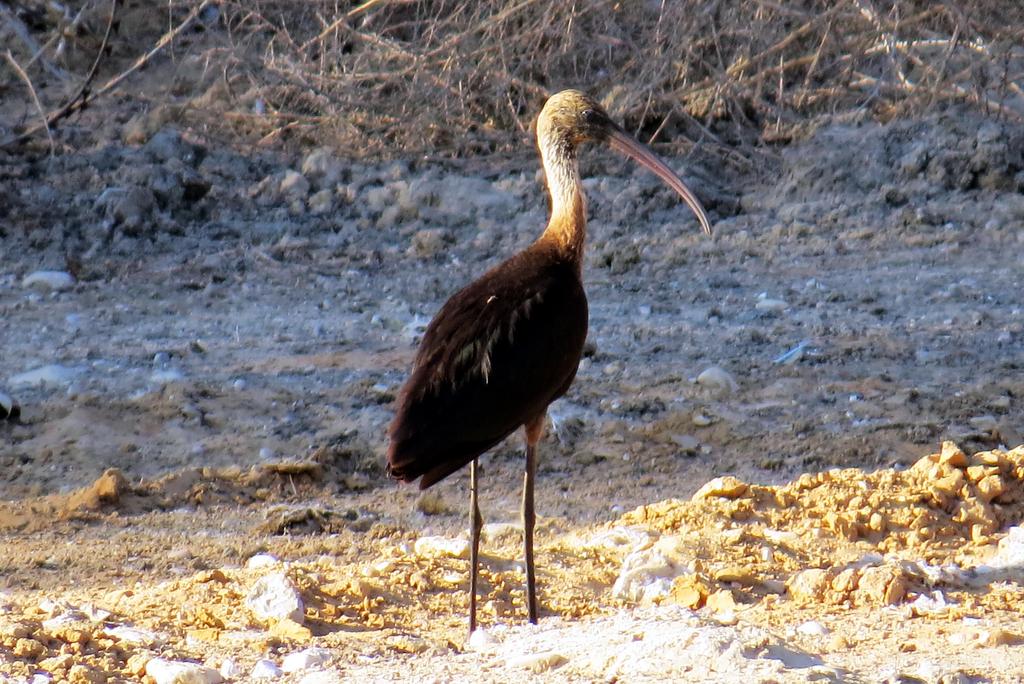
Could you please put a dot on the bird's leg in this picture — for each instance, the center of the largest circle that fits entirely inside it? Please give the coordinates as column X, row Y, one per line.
column 475, row 523
column 533, row 433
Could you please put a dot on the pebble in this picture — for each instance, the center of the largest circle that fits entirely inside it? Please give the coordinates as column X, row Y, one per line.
column 701, row 420
column 261, row 560
column 239, row 385
column 812, row 628
column 133, row 635
column 647, row 573
column 321, row 202
column 179, row 672
column 442, row 546
column 480, row 639
column 726, row 486
column 52, row 375
column 229, row 669
column 306, row 659
column 266, row 453
column 717, row 378
column 265, row 669
column 767, row 304
column 49, row 280
column 274, row 597
column 294, row 185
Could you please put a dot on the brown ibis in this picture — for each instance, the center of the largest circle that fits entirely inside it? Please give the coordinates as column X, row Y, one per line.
column 504, row 347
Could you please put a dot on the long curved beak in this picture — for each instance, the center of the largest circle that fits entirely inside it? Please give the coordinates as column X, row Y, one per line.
column 623, row 143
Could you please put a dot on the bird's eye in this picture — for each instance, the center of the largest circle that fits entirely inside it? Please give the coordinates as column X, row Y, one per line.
column 589, row 115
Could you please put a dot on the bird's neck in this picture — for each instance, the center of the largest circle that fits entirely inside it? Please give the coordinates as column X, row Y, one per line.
column 567, row 228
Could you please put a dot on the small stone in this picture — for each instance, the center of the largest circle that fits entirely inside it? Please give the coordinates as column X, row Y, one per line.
column 772, row 305
column 880, row 585
column 721, row 601
column 689, row 591
column 289, row 629
column 261, row 560
column 442, row 546
column 28, row 648
column 952, row 455
column 274, row 598
column 997, row 636
column 83, row 674
column 294, row 185
column 700, row 420
column 537, row 662
column 480, row 639
column 736, row 573
column 321, row 202
column 809, row 586
column 265, row 669
column 812, row 628
column 717, row 378
column 306, row 659
column 49, row 280
column 132, row 635
column 136, row 664
column 229, row 669
column 990, row 487
column 726, row 486
column 179, row 672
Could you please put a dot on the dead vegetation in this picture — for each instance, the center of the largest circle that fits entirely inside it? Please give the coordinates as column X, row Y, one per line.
column 454, row 78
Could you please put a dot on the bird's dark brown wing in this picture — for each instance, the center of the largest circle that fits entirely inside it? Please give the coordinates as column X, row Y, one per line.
column 498, row 352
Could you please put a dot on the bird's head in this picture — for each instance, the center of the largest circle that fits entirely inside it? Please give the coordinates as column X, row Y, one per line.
column 571, row 117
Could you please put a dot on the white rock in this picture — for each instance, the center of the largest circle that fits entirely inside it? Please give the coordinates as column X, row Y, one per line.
column 261, row 560
column 274, row 598
column 643, row 572
column 40, row 679
column 480, row 639
column 178, row 672
column 229, row 669
column 717, row 378
column 1009, row 553
column 265, row 669
column 812, row 628
column 767, row 304
column 442, row 546
column 306, row 659
column 54, row 375
column 133, row 635
column 49, row 280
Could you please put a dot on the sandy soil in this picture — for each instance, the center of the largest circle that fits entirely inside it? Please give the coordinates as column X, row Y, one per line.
column 215, row 381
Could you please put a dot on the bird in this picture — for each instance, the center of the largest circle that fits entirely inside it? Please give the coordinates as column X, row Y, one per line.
column 504, row 347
